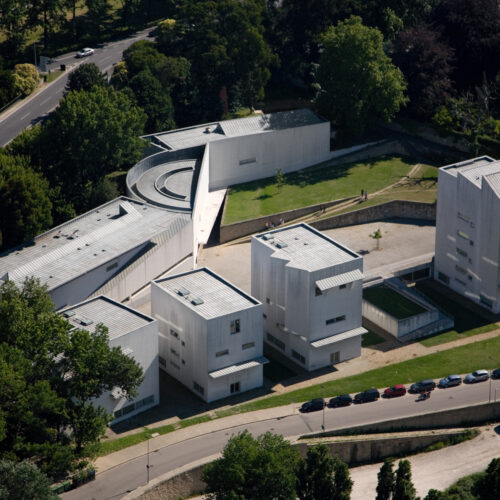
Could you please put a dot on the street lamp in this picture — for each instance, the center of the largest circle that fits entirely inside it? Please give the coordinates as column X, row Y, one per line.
column 149, row 436
column 489, row 391
column 323, row 394
column 34, row 51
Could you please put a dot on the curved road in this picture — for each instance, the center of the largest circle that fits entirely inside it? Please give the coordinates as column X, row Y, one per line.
column 118, row 481
column 36, row 107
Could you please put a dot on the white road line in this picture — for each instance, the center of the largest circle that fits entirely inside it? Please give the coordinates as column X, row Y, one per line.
column 43, row 102
column 23, row 117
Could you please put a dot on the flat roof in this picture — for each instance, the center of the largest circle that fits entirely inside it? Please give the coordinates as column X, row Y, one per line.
column 206, row 293
column 119, row 319
column 474, row 169
column 89, row 241
column 306, row 248
column 208, row 132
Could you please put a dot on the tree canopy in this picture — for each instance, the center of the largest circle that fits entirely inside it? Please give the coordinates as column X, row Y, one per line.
column 85, row 77
column 49, row 377
column 359, row 84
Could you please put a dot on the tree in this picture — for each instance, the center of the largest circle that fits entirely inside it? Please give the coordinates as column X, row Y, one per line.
column 46, row 14
column 85, row 77
column 377, row 236
column 359, row 84
column 263, row 468
column 23, row 481
column 433, row 494
column 49, row 378
column 403, row 487
column 279, row 179
column 94, row 133
column 488, row 486
column 26, row 79
column 316, row 475
column 119, row 78
column 13, row 14
column 25, row 206
column 385, row 485
column 98, row 11
column 426, row 64
column 343, row 482
column 155, row 102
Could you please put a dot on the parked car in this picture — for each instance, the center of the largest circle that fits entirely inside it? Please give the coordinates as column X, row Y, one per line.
column 87, row 51
column 495, row 373
column 367, row 396
column 450, row 381
column 395, row 391
column 313, row 405
column 423, row 386
column 342, row 400
column 477, row 376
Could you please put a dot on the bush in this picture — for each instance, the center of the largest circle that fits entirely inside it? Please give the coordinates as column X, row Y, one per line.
column 26, row 78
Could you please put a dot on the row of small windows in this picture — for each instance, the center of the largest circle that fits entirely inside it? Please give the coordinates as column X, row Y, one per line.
column 298, row 357
column 465, row 219
column 317, row 291
column 134, row 406
column 225, row 352
column 465, row 236
column 277, row 342
column 335, row 320
column 198, row 388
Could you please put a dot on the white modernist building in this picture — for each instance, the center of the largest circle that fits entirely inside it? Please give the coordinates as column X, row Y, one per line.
column 311, row 290
column 115, row 249
column 468, row 230
column 137, row 336
column 210, row 334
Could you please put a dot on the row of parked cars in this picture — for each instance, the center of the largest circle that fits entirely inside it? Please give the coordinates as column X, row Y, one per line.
column 399, row 390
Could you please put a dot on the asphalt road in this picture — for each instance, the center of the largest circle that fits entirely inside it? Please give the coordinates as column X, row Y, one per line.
column 117, row 482
column 34, row 109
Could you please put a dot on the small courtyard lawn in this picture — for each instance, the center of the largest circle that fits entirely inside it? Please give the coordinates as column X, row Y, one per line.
column 461, row 359
column 467, row 322
column 313, row 185
column 392, row 302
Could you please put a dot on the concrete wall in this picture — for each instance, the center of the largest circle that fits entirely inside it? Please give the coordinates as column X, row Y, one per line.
column 287, row 149
column 200, row 200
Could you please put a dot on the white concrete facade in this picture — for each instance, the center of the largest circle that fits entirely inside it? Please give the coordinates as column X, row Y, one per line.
column 311, row 290
column 210, row 334
column 467, row 255
column 137, row 336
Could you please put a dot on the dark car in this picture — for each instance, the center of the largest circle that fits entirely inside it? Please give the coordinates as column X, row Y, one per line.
column 395, row 391
column 342, row 400
column 313, row 405
column 423, row 386
column 450, row 381
column 495, row 373
column 367, row 396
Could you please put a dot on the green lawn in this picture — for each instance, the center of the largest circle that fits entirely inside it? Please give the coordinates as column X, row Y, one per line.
column 467, row 322
column 461, row 359
column 371, row 338
column 311, row 186
column 53, row 75
column 392, row 302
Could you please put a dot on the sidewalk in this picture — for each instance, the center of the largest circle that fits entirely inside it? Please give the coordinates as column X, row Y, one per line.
column 370, row 358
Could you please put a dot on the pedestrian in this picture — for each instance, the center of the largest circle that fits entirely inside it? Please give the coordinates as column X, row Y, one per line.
column 362, row 193
column 366, row 195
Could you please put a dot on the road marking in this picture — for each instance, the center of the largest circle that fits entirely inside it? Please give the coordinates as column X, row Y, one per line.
column 43, row 102
column 106, row 58
column 26, row 115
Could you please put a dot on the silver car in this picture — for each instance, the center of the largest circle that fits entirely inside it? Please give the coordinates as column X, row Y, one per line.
column 450, row 381
column 87, row 51
column 477, row 376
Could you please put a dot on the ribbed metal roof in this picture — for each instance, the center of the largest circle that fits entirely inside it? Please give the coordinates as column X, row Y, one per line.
column 89, row 241
column 475, row 169
column 339, row 337
column 306, row 248
column 119, row 319
column 340, row 279
column 219, row 297
column 239, row 367
column 494, row 181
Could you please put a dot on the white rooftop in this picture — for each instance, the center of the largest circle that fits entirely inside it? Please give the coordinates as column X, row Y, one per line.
column 306, row 248
column 119, row 319
column 206, row 293
column 88, row 241
column 208, row 132
column 475, row 169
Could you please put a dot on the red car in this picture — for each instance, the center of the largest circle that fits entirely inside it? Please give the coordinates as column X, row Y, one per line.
column 395, row 390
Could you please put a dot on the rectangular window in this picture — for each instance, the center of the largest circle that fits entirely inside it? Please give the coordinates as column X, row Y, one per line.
column 174, row 352
column 463, row 217
column 298, row 357
column 317, row 291
column 460, row 269
column 463, row 235
column 174, row 333
column 484, row 300
column 335, row 320
column 198, row 388
column 235, row 387
column 277, row 342
column 461, row 252
column 460, row 281
column 268, row 300
column 128, row 409
column 444, row 278
column 248, row 345
column 218, row 354
column 175, row 365
column 343, row 286
column 235, row 326
column 163, row 361
column 335, row 357
column 246, row 161
column 264, row 316
column 112, row 266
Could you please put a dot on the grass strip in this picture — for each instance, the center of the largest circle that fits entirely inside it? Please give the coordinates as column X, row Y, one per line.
column 194, row 421
column 462, row 359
